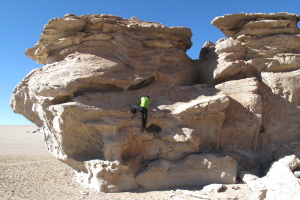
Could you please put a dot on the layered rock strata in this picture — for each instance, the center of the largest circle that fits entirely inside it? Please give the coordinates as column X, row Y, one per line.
column 236, row 108
column 264, row 47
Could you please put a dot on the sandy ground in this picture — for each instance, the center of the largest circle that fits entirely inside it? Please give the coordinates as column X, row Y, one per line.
column 28, row 171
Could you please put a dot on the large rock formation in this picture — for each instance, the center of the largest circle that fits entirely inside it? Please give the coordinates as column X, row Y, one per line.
column 258, row 68
column 274, row 185
column 235, row 109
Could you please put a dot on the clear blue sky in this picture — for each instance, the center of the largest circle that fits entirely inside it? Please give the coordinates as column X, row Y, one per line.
column 22, row 22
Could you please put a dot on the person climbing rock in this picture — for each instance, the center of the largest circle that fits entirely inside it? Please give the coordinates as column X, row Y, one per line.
column 143, row 108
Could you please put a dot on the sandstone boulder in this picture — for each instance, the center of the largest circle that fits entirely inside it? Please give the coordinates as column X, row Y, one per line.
column 265, row 46
column 83, row 95
column 257, row 43
column 243, row 115
column 193, row 170
column 284, row 84
column 279, row 183
column 102, row 35
column 257, row 24
column 235, row 109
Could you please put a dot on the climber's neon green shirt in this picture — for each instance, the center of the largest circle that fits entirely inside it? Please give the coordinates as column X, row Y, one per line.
column 145, row 102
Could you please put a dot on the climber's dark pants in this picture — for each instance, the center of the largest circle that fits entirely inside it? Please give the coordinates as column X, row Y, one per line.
column 144, row 112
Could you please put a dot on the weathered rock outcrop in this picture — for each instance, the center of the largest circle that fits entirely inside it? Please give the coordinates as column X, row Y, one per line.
column 279, row 183
column 236, row 108
column 193, row 170
column 262, row 49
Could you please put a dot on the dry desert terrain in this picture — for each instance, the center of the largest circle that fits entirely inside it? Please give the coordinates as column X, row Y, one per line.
column 28, row 171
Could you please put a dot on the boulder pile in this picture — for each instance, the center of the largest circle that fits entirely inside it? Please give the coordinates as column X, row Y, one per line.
column 235, row 109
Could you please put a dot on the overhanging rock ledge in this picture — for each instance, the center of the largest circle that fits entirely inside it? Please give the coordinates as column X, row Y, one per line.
column 234, row 109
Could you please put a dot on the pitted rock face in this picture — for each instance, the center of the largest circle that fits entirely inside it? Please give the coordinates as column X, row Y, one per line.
column 264, row 113
column 257, row 24
column 105, row 36
column 98, row 66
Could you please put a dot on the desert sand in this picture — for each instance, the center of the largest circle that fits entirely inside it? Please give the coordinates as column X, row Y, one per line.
column 28, row 171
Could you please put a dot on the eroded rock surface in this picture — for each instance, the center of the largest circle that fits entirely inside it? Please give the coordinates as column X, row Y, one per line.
column 193, row 170
column 234, row 109
column 279, row 183
column 263, row 48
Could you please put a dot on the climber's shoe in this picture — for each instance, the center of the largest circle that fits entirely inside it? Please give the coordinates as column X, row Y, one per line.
column 133, row 117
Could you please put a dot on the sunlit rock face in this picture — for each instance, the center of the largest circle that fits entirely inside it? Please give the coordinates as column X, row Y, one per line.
column 257, row 66
column 233, row 109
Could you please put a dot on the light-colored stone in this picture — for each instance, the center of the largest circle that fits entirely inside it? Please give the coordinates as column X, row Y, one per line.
column 270, row 43
column 193, row 170
column 83, row 100
column 214, row 188
column 97, row 34
column 230, row 60
column 248, row 176
column 281, row 123
column 257, row 24
column 238, row 105
column 232, row 191
column 228, row 69
column 297, row 174
column 284, row 84
column 280, row 182
column 231, row 46
column 257, row 43
column 243, row 115
column 108, row 176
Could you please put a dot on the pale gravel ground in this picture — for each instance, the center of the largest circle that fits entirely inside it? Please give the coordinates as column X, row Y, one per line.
column 28, row 171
